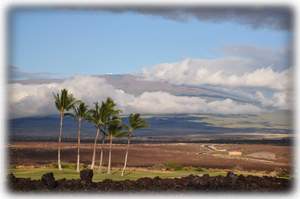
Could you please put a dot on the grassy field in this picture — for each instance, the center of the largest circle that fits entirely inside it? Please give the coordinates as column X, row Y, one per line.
column 132, row 173
column 278, row 119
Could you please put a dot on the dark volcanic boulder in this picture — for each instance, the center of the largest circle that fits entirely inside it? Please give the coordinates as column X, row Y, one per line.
column 49, row 180
column 232, row 178
column 86, row 175
column 12, row 178
column 230, row 174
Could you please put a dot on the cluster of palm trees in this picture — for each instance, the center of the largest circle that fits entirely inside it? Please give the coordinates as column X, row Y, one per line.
column 106, row 119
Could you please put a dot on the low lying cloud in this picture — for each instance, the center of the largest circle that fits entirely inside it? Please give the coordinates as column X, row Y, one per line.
column 37, row 99
column 162, row 102
column 228, row 71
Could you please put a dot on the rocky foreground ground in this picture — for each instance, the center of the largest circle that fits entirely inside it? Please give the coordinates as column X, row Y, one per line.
column 231, row 182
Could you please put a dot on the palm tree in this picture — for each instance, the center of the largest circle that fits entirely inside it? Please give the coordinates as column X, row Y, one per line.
column 115, row 128
column 135, row 122
column 100, row 116
column 110, row 111
column 64, row 101
column 96, row 117
column 80, row 113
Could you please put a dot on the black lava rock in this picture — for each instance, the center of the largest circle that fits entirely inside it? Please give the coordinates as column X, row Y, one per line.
column 12, row 178
column 230, row 174
column 231, row 182
column 86, row 175
column 49, row 180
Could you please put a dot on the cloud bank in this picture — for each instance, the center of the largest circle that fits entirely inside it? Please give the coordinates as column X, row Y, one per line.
column 228, row 71
column 37, row 99
column 164, row 103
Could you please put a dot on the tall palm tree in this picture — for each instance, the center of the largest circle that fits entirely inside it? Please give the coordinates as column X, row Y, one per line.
column 110, row 111
column 80, row 112
column 64, row 101
column 115, row 128
column 100, row 116
column 96, row 117
column 135, row 122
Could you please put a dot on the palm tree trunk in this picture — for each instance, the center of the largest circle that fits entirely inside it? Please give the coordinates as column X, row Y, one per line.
column 78, row 145
column 109, row 156
column 101, row 154
column 94, row 150
column 126, row 156
column 59, row 140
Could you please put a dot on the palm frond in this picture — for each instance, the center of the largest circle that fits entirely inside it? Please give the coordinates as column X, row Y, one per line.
column 81, row 110
column 64, row 100
column 136, row 122
column 115, row 126
column 121, row 134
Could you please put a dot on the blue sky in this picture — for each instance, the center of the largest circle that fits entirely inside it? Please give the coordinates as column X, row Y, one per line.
column 71, row 42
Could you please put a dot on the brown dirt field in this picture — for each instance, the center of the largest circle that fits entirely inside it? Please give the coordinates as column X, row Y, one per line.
column 147, row 155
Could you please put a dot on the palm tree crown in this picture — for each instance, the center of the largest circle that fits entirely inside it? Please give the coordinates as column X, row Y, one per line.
column 110, row 110
column 115, row 127
column 80, row 112
column 97, row 115
column 100, row 116
column 64, row 100
column 136, row 122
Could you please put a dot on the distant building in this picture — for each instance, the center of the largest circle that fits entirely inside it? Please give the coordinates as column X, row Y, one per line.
column 234, row 153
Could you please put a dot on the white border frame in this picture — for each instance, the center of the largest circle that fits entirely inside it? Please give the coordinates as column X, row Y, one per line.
column 6, row 4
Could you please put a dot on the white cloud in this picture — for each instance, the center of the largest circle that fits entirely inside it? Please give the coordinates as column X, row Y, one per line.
column 37, row 99
column 162, row 102
column 229, row 71
column 279, row 100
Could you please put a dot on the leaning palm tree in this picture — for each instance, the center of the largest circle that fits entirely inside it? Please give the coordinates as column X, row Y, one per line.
column 115, row 128
column 64, row 101
column 135, row 122
column 110, row 112
column 96, row 116
column 80, row 112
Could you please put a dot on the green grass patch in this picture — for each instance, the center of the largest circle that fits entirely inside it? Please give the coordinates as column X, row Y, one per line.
column 172, row 166
column 69, row 172
column 131, row 173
